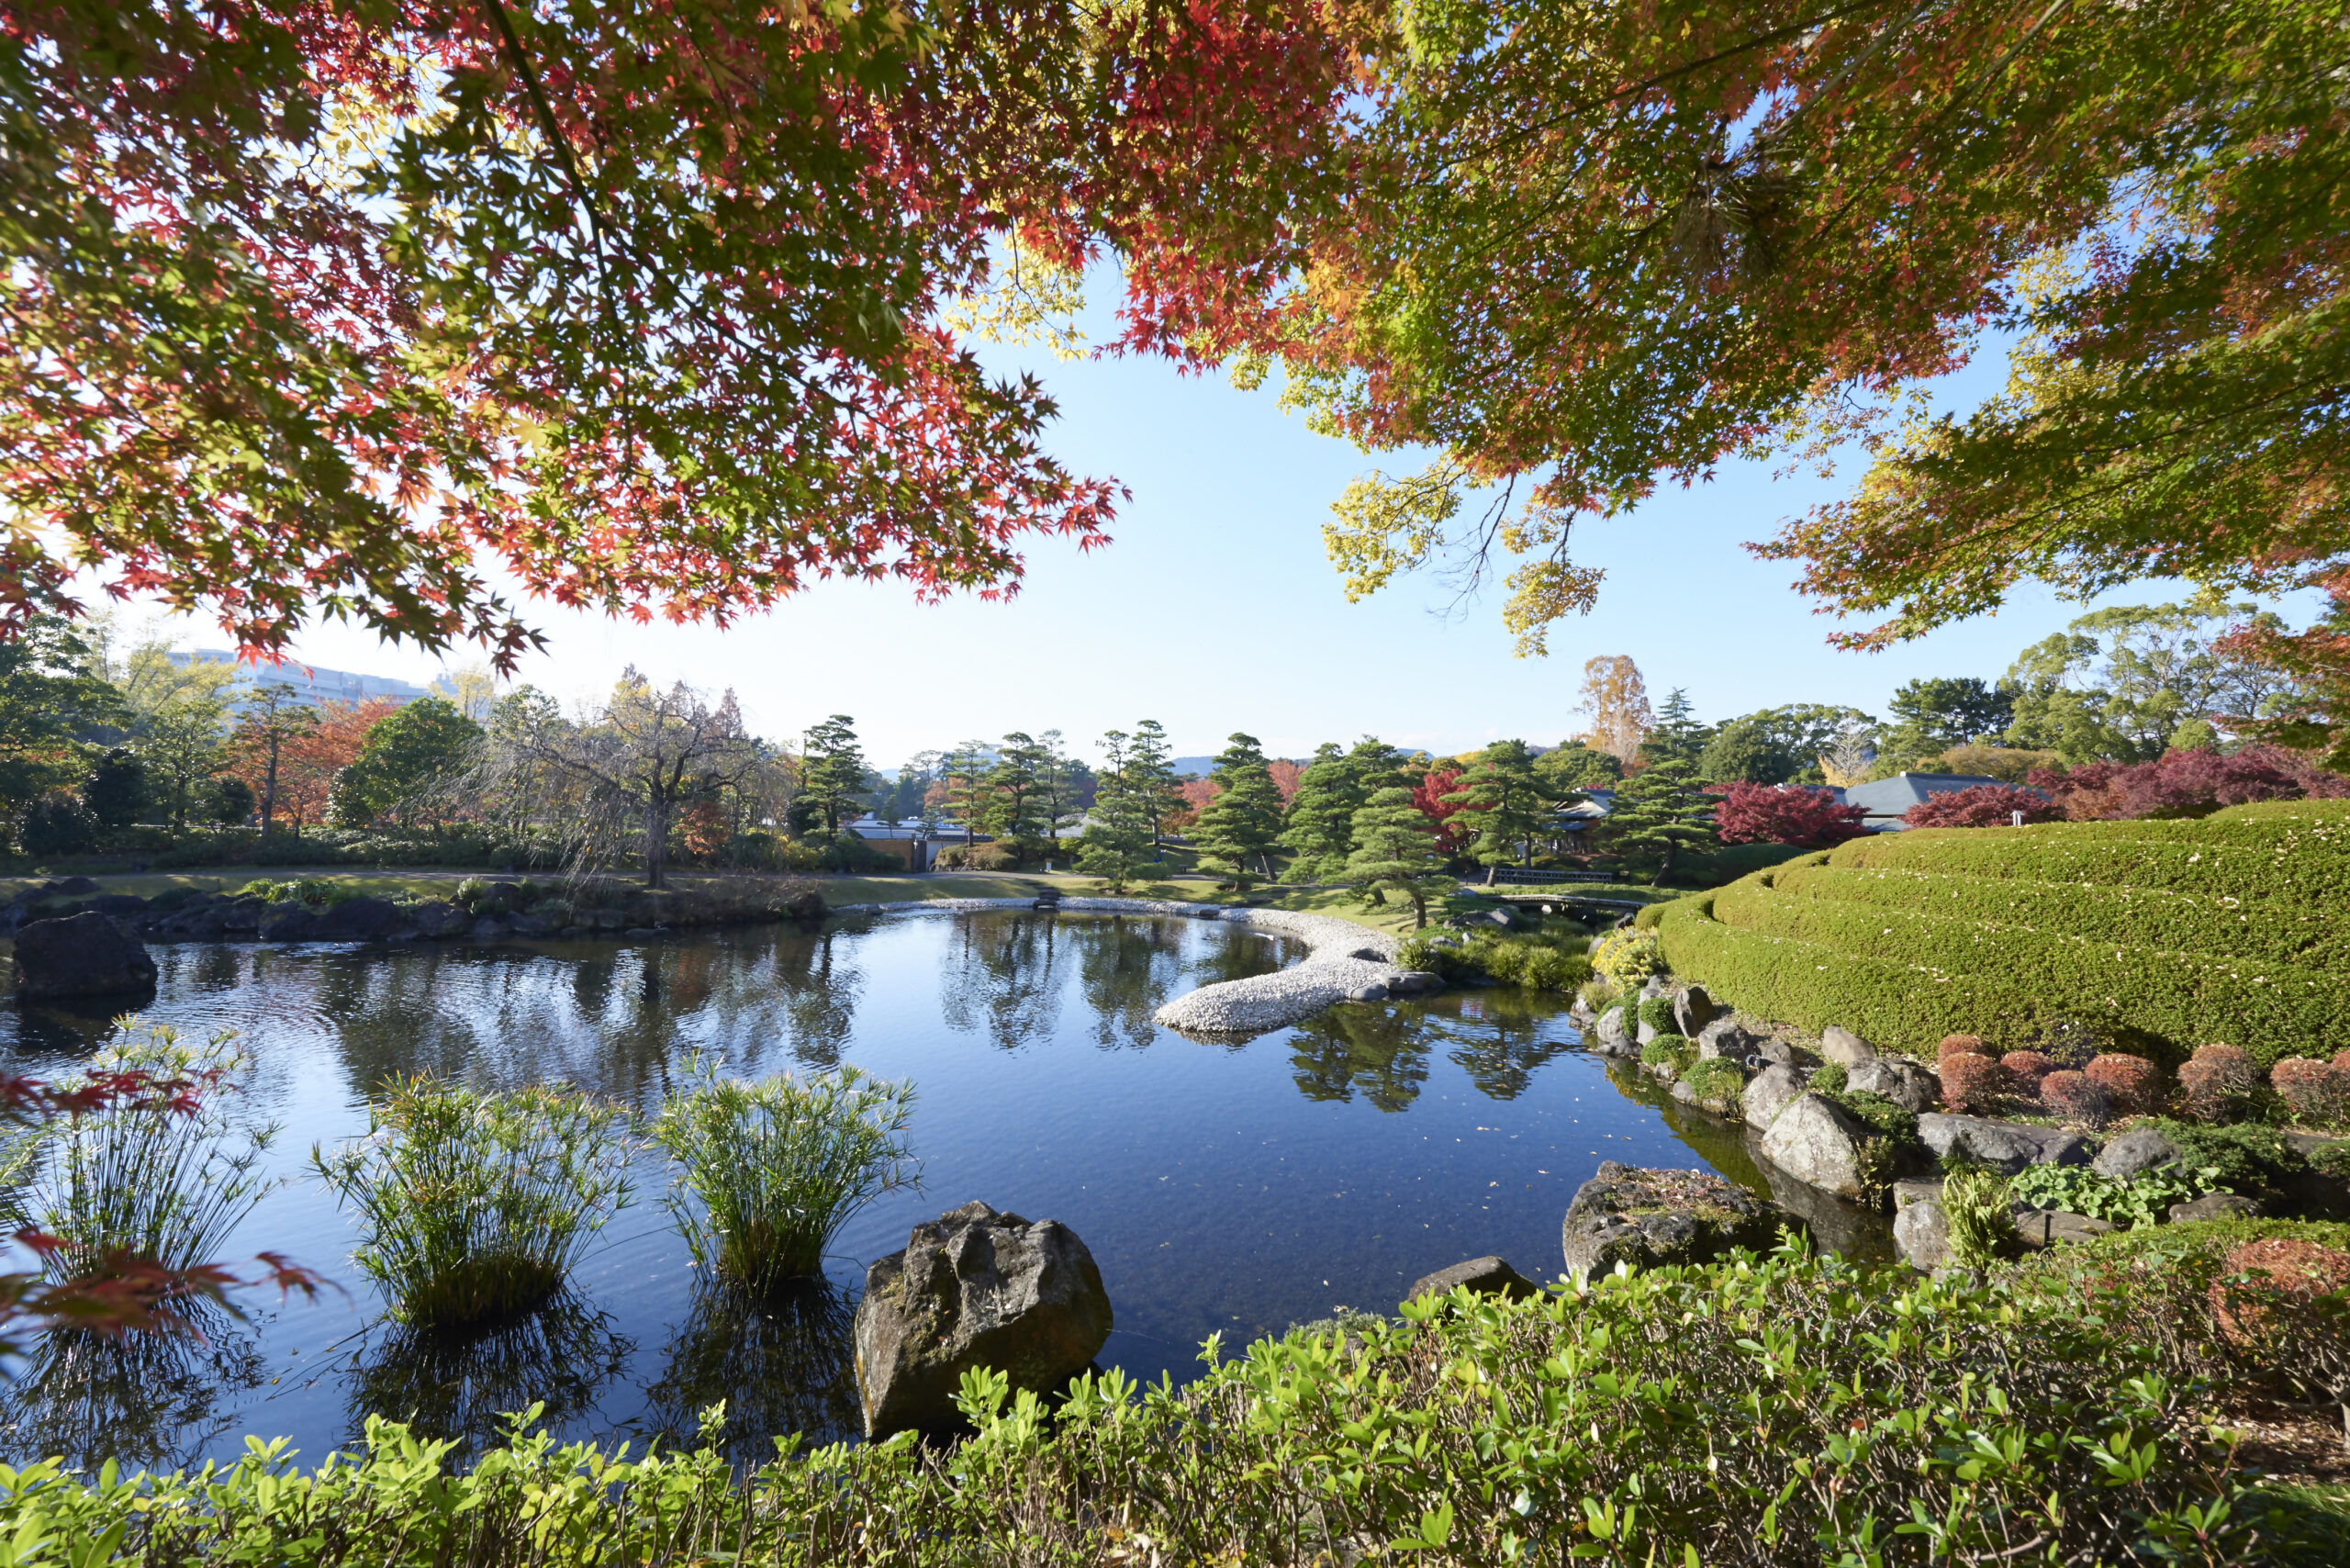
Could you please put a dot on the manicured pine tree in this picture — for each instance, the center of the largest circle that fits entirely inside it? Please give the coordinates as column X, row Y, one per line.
column 1117, row 843
column 1150, row 777
column 1676, row 733
column 1013, row 812
column 1504, row 802
column 1320, row 827
column 1395, row 849
column 1661, row 810
column 834, row 779
column 1244, row 822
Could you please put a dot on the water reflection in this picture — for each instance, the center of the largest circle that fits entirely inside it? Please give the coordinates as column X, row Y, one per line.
column 780, row 1362
column 1001, row 980
column 1127, row 970
column 1380, row 1054
column 462, row 1386
column 154, row 1399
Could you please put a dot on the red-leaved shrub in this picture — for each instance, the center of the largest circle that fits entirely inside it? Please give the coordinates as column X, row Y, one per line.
column 1962, row 1044
column 2132, row 1085
column 2317, row 1090
column 2220, row 1080
column 2187, row 783
column 1799, row 814
column 2027, row 1067
column 2280, row 1292
column 1984, row 805
column 1971, row 1082
column 2073, row 1096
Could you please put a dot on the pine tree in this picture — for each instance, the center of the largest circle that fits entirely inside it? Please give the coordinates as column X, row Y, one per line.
column 834, row 779
column 1661, row 810
column 1017, row 780
column 963, row 781
column 1676, row 733
column 1396, row 848
column 1117, row 843
column 1504, row 801
column 1320, row 827
column 1244, row 822
column 1150, row 778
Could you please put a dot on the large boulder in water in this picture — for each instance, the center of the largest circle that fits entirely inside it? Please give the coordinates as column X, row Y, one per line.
column 974, row 1288
column 84, row 955
column 1652, row 1217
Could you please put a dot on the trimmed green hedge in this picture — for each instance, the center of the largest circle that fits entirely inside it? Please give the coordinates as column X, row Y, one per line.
column 2159, row 935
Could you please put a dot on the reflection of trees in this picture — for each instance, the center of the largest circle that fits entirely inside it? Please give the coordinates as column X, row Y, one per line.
column 999, row 978
column 151, row 1399
column 1344, row 1050
column 1500, row 1050
column 1237, row 952
column 781, row 1361
column 458, row 1386
column 1125, row 970
column 820, row 987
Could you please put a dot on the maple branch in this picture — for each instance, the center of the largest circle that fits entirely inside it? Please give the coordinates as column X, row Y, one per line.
column 520, row 60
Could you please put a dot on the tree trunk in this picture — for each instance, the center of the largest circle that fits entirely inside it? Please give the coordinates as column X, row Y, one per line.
column 1492, row 874
column 656, row 841
column 269, row 790
column 1665, row 869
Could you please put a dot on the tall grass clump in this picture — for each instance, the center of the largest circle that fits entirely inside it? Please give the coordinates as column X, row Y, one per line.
column 769, row 1171
column 474, row 1206
column 151, row 1168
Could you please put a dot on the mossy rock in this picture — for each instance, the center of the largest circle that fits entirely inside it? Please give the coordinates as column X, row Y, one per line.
column 1649, row 1217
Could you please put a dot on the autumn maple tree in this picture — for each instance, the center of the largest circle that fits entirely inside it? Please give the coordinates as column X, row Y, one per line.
column 331, row 307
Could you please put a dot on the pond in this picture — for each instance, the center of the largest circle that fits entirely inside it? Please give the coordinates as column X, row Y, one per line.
column 1224, row 1188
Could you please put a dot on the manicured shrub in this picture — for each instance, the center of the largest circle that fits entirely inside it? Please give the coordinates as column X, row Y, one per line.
column 1656, row 1012
column 2187, row 783
column 1793, row 814
column 2074, row 1096
column 2027, row 1068
column 2222, row 1082
column 2317, row 1092
column 1974, row 1083
column 1675, row 1051
column 2132, row 1085
column 1717, row 1083
column 475, row 1206
column 1962, row 1044
column 1827, row 1079
column 768, row 1172
column 2145, row 936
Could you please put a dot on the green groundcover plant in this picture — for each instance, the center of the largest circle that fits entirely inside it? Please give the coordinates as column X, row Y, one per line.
column 1784, row 1410
column 2162, row 935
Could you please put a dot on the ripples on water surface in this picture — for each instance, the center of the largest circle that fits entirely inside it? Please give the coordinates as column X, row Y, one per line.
column 1232, row 1188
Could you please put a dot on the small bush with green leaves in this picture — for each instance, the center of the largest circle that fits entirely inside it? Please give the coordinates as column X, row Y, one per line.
column 2246, row 1157
column 1716, row 1082
column 767, row 1172
column 1675, row 1051
column 1829, row 1079
column 474, row 1206
column 1878, row 1419
column 1628, row 957
column 2142, row 1200
column 1656, row 1012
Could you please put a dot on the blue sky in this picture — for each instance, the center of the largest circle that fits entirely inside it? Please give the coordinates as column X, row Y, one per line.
column 1215, row 610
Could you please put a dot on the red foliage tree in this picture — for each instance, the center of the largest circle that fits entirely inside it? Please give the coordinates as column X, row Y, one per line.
column 1800, row 815
column 309, row 760
column 2187, row 783
column 1430, row 794
column 1285, row 777
column 1984, row 805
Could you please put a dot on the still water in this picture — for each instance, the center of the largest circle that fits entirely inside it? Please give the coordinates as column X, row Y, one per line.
column 1224, row 1188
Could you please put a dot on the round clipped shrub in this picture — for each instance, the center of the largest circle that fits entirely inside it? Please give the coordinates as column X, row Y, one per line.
column 2074, row 1096
column 2317, row 1092
column 1656, row 1012
column 1971, row 1082
column 2221, row 1081
column 2027, row 1067
column 1963, row 1044
column 2282, row 1291
column 1628, row 957
column 2132, row 1085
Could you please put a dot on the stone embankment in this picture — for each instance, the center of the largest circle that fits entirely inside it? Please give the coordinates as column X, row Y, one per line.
column 1345, row 962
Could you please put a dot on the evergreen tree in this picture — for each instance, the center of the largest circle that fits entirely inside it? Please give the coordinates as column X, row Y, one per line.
column 1661, row 810
column 1150, row 776
column 834, row 777
column 1244, row 822
column 1320, row 827
column 1396, row 848
column 1573, row 767
column 405, row 754
column 115, row 791
column 964, row 787
column 1503, row 802
column 1117, row 843
column 1377, row 765
column 1016, row 780
column 1676, row 733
